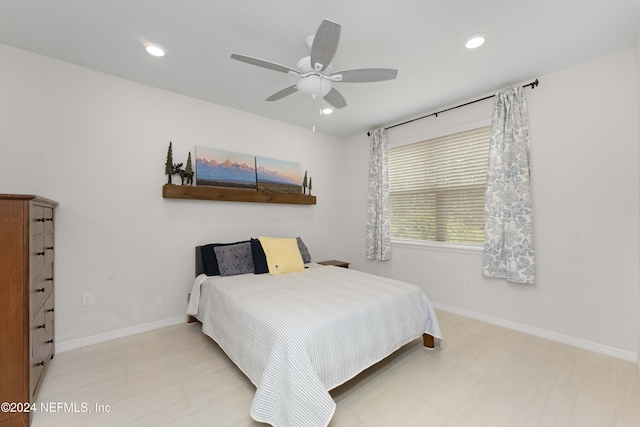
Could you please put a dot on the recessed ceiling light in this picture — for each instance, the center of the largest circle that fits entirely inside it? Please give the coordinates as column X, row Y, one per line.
column 154, row 49
column 326, row 111
column 474, row 41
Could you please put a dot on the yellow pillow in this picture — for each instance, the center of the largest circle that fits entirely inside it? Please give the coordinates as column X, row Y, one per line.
column 283, row 255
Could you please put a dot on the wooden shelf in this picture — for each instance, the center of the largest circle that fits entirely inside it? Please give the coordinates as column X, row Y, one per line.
column 170, row 191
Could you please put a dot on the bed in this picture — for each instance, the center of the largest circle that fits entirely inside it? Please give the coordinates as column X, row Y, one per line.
column 297, row 336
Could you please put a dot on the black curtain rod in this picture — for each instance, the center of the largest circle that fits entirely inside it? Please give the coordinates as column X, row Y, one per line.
column 533, row 84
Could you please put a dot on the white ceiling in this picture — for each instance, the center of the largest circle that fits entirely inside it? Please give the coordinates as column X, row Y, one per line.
column 423, row 39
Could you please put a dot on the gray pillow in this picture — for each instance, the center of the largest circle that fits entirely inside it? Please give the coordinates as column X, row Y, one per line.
column 306, row 257
column 234, row 259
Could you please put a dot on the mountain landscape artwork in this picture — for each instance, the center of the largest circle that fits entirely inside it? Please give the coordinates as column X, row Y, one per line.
column 278, row 176
column 222, row 168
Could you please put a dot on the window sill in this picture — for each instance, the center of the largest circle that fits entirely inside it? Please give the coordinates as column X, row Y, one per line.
column 417, row 244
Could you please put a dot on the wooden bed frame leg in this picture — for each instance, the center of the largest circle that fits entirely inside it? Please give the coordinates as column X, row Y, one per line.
column 191, row 319
column 428, row 341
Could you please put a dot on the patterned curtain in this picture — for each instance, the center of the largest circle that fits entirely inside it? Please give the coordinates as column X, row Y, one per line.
column 508, row 220
column 378, row 240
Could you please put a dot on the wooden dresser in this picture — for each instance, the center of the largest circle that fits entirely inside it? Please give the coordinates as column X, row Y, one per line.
column 26, row 300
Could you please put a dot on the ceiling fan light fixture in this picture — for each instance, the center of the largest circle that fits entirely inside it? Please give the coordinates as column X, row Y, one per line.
column 326, row 111
column 314, row 86
column 474, row 41
column 154, row 49
column 314, row 72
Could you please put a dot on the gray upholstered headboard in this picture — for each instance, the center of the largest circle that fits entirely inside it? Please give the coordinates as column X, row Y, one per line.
column 199, row 267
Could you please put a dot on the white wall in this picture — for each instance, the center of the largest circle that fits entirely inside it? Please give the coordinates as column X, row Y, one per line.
column 584, row 128
column 97, row 144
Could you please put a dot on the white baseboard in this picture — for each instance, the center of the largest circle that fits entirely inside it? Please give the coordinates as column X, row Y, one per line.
column 542, row 333
column 120, row 333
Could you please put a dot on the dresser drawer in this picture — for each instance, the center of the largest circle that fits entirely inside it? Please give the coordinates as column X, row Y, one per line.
column 49, row 314
column 37, row 219
column 48, row 219
column 48, row 248
column 38, row 254
column 38, row 333
column 35, row 376
column 40, row 288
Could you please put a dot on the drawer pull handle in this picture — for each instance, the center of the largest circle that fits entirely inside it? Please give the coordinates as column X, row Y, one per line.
column 40, row 364
column 50, row 310
column 49, row 279
column 48, row 219
column 49, row 248
column 40, row 253
column 49, row 342
column 40, row 290
column 40, row 220
column 43, row 326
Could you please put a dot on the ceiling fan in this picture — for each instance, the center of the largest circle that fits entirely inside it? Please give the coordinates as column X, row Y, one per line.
column 315, row 73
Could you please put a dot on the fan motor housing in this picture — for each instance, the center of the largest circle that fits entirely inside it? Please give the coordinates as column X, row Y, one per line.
column 304, row 66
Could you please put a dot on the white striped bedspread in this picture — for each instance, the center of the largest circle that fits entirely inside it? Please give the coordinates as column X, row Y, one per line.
column 298, row 335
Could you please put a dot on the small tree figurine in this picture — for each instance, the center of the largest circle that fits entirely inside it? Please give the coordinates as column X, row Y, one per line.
column 188, row 171
column 168, row 166
column 310, row 186
column 304, row 183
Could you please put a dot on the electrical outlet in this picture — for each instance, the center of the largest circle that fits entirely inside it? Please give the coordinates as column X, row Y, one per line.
column 467, row 282
column 88, row 298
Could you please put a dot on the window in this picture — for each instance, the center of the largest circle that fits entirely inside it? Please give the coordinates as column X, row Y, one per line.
column 436, row 188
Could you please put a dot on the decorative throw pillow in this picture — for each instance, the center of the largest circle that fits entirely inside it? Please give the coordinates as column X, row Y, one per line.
column 209, row 260
column 234, row 259
column 306, row 257
column 283, row 255
column 259, row 258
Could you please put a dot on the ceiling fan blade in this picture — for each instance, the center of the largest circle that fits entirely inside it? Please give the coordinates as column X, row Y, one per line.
column 364, row 75
column 335, row 98
column 264, row 64
column 325, row 44
column 281, row 94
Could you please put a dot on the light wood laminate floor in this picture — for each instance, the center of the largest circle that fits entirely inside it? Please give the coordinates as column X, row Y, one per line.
column 485, row 375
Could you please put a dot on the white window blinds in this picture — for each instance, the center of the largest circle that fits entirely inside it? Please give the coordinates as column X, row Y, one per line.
column 436, row 188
